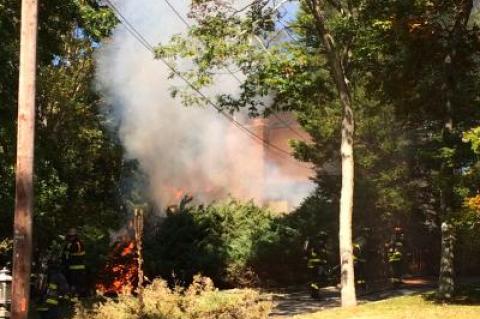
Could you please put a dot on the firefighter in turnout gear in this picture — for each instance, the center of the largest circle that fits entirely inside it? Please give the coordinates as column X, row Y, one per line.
column 54, row 295
column 317, row 262
column 360, row 257
column 74, row 263
column 395, row 256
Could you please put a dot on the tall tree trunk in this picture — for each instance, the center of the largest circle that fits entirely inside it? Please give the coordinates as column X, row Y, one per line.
column 346, row 209
column 446, row 282
column 348, row 294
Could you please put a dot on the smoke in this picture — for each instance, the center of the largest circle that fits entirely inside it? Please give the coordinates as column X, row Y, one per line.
column 181, row 149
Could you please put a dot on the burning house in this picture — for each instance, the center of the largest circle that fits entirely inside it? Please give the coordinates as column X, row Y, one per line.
column 281, row 182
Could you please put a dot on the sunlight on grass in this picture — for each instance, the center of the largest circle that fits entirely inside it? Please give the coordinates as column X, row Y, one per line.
column 411, row 307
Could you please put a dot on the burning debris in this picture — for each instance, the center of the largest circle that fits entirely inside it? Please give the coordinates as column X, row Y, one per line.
column 123, row 273
column 120, row 274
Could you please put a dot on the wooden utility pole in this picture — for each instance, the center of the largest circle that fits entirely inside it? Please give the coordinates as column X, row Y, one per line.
column 22, row 249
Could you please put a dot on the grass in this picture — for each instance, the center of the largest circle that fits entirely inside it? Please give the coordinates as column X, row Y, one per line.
column 408, row 307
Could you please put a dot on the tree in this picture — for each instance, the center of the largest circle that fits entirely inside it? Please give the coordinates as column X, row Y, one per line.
column 78, row 161
column 87, row 175
column 315, row 71
column 425, row 64
column 340, row 77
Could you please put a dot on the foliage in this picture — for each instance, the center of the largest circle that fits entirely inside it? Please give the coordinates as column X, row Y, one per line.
column 5, row 251
column 280, row 258
column 239, row 244
column 78, row 162
column 473, row 203
column 412, row 73
column 218, row 240
column 199, row 301
column 473, row 137
column 85, row 177
column 424, row 63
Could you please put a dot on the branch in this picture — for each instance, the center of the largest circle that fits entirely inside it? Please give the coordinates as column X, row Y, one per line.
column 467, row 12
column 278, row 6
column 251, row 4
column 336, row 4
column 256, row 37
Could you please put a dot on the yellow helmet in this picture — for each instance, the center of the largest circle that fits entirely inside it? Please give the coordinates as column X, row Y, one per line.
column 72, row 232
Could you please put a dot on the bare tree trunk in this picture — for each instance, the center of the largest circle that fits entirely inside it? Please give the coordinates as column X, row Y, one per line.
column 446, row 282
column 348, row 294
column 22, row 249
column 138, row 226
column 346, row 210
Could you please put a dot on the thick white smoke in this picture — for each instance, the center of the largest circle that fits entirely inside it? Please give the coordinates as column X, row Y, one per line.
column 181, row 149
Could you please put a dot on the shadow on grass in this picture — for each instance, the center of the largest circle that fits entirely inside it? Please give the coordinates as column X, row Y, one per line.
column 66, row 310
column 467, row 294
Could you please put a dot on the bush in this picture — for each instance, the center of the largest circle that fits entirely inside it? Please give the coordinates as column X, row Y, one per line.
column 218, row 241
column 199, row 301
column 238, row 244
column 5, row 251
column 279, row 254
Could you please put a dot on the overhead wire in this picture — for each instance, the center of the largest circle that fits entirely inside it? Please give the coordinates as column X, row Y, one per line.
column 144, row 42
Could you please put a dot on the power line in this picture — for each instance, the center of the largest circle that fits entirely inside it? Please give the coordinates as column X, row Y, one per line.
column 185, row 22
column 180, row 16
column 296, row 132
column 141, row 39
column 287, row 30
column 177, row 13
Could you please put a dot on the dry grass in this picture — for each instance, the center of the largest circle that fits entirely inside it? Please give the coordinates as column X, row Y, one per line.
column 200, row 301
column 410, row 307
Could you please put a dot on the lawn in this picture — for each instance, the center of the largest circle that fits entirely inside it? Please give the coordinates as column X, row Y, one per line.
column 409, row 307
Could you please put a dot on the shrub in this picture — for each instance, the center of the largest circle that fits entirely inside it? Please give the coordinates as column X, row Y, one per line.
column 238, row 244
column 199, row 301
column 218, row 240
column 5, row 251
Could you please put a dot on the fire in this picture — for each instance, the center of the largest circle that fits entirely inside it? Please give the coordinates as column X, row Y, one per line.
column 179, row 194
column 120, row 274
column 175, row 194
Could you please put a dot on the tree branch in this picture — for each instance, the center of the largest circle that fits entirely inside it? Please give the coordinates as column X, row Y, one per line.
column 336, row 4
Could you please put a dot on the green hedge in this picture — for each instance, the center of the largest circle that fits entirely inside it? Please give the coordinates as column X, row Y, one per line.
column 235, row 243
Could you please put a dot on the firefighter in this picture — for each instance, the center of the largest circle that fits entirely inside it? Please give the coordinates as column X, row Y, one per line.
column 395, row 256
column 55, row 294
column 360, row 258
column 317, row 262
column 74, row 263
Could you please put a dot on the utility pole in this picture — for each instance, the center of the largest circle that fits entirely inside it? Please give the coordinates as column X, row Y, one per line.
column 22, row 249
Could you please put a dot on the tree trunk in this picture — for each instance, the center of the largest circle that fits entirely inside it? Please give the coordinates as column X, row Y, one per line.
column 346, row 210
column 348, row 294
column 446, row 282
column 138, row 226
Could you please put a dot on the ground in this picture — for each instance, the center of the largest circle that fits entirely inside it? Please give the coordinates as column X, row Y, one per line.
column 415, row 306
column 411, row 300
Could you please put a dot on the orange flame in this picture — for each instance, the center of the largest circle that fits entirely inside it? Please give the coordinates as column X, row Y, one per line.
column 179, row 194
column 120, row 274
